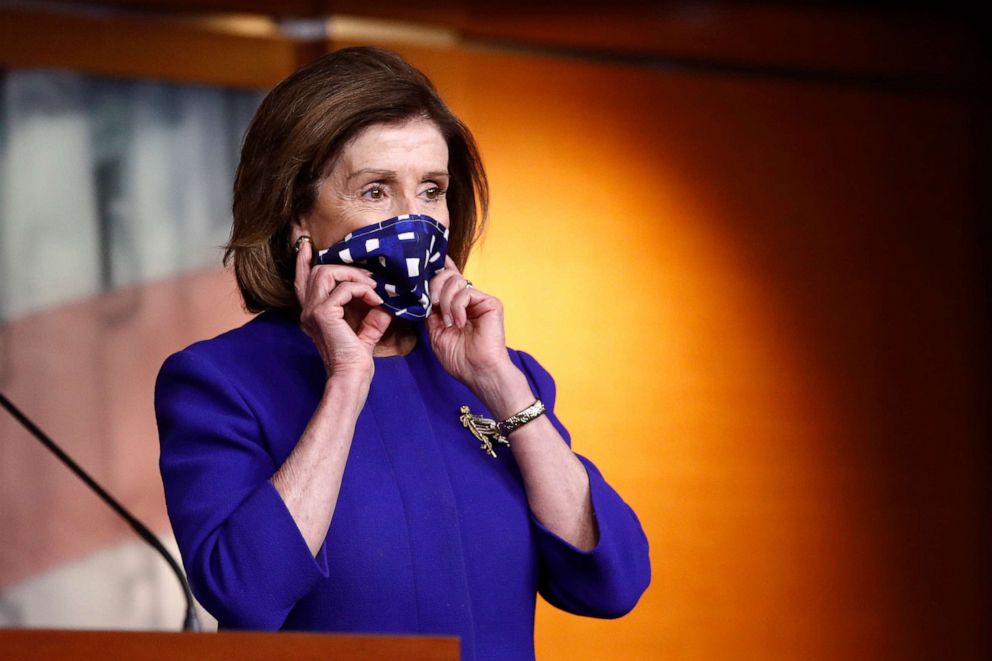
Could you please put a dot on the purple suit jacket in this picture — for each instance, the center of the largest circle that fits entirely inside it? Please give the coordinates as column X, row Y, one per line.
column 429, row 535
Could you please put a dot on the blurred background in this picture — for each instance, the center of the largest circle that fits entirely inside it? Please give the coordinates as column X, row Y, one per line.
column 749, row 240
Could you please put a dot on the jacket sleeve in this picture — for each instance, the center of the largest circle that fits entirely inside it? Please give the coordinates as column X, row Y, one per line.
column 245, row 558
column 609, row 579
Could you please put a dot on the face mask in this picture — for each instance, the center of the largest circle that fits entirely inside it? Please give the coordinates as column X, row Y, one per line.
column 403, row 254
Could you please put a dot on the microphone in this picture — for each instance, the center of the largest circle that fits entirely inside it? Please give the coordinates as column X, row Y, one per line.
column 191, row 622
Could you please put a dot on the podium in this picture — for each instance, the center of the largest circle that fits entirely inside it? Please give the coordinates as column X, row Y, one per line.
column 50, row 644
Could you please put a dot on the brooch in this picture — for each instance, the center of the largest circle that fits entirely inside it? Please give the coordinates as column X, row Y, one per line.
column 484, row 429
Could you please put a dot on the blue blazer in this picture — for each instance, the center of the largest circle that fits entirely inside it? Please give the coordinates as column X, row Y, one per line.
column 429, row 534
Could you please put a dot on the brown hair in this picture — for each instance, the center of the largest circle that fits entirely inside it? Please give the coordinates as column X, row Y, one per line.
column 298, row 130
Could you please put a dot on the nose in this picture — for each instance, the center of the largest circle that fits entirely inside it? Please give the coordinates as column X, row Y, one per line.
column 406, row 202
column 409, row 202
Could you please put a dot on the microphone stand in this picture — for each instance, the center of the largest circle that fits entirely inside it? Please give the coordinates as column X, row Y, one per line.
column 191, row 622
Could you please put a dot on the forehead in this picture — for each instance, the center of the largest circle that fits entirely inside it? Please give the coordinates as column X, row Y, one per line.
column 416, row 141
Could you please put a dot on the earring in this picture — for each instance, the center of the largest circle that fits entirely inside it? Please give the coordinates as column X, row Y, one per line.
column 299, row 242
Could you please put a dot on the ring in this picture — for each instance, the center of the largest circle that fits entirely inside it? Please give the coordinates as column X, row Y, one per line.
column 299, row 242
column 468, row 284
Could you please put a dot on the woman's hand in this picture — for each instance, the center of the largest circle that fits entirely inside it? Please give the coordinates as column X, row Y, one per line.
column 466, row 331
column 340, row 314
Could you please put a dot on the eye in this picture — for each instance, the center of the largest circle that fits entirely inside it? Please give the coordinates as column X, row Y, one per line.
column 374, row 192
column 434, row 193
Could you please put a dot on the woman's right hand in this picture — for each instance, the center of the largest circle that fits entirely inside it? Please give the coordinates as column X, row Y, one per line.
column 324, row 291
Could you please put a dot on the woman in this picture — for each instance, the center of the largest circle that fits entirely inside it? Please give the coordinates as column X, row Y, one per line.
column 335, row 463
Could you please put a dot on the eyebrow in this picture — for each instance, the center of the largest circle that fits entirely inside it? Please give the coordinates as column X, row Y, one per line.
column 390, row 174
column 381, row 173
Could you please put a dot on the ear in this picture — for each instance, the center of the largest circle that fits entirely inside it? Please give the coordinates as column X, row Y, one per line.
column 298, row 228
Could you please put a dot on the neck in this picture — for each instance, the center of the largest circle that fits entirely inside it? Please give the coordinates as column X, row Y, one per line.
column 399, row 339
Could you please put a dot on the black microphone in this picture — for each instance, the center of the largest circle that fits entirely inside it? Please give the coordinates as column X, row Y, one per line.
column 192, row 622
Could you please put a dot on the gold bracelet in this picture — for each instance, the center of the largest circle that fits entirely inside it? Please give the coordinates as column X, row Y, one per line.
column 518, row 420
column 488, row 431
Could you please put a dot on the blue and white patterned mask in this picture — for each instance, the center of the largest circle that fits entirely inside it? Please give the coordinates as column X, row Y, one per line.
column 403, row 254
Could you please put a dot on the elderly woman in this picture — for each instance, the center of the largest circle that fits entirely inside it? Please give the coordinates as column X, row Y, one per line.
column 366, row 455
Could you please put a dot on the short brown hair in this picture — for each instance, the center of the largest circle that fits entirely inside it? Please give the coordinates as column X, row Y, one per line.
column 301, row 127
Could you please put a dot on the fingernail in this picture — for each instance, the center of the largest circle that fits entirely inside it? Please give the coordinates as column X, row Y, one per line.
column 447, row 321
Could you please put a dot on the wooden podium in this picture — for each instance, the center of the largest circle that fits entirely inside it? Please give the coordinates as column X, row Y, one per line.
column 50, row 644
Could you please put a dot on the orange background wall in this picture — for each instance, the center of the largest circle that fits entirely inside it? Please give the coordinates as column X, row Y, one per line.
column 759, row 299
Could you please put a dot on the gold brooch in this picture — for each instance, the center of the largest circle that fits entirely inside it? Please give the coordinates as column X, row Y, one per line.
column 483, row 429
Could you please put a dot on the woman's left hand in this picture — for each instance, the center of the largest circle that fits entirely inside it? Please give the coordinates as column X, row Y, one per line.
column 466, row 329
